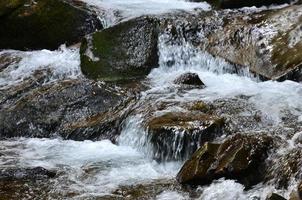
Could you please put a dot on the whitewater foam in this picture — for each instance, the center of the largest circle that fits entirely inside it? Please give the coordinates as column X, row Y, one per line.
column 62, row 63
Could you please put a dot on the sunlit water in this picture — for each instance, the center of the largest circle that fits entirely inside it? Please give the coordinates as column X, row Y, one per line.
column 95, row 169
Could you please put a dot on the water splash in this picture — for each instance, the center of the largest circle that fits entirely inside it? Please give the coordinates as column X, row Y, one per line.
column 113, row 11
column 60, row 64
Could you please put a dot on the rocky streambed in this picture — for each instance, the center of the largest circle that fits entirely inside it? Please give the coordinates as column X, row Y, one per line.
column 150, row 99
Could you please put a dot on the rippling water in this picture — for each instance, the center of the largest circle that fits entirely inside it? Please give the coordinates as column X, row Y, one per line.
column 96, row 169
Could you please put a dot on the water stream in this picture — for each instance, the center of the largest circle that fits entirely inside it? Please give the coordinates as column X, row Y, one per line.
column 91, row 170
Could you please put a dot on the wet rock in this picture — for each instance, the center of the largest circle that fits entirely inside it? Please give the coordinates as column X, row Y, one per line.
column 177, row 135
column 241, row 157
column 251, row 41
column 285, row 167
column 190, row 79
column 275, row 196
column 8, row 6
column 27, row 173
column 300, row 190
column 244, row 3
column 248, row 39
column 43, row 24
column 74, row 109
column 7, row 59
column 125, row 51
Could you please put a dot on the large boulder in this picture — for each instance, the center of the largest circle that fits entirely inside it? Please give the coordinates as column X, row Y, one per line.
column 268, row 47
column 240, row 157
column 74, row 109
column 176, row 135
column 43, row 24
column 250, row 39
column 125, row 51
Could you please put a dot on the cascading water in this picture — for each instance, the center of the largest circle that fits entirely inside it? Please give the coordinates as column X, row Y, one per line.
column 101, row 169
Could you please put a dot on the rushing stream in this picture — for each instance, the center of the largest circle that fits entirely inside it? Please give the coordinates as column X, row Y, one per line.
column 101, row 169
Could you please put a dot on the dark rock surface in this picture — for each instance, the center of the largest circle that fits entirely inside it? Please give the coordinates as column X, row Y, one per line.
column 241, row 158
column 27, row 173
column 43, row 24
column 190, row 79
column 275, row 196
column 125, row 51
column 74, row 109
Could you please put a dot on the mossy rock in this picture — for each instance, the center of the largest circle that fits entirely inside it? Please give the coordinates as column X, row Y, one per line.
column 176, row 135
column 125, row 51
column 240, row 157
column 43, row 24
column 8, row 6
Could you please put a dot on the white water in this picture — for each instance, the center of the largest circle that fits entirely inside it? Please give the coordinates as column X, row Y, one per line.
column 60, row 64
column 113, row 11
column 98, row 168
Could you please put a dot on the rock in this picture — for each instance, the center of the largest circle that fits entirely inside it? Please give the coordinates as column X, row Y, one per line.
column 43, row 24
column 8, row 6
column 7, row 59
column 74, row 109
column 26, row 183
column 175, row 135
column 275, row 196
column 223, row 4
column 241, row 158
column 248, row 39
column 260, row 42
column 26, row 173
column 125, row 51
column 191, row 79
column 300, row 190
column 285, row 167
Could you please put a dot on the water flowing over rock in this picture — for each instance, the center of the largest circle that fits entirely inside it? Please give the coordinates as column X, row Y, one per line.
column 178, row 135
column 240, row 157
column 223, row 4
column 125, row 51
column 43, row 24
column 257, row 40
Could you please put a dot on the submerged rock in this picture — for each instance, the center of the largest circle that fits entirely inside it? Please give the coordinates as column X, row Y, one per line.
column 244, row 3
column 26, row 183
column 125, row 51
column 190, row 79
column 240, row 157
column 177, row 135
column 27, row 173
column 43, row 24
column 74, row 109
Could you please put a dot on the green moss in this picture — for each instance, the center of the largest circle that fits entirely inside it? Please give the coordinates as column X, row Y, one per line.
column 44, row 24
column 113, row 49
